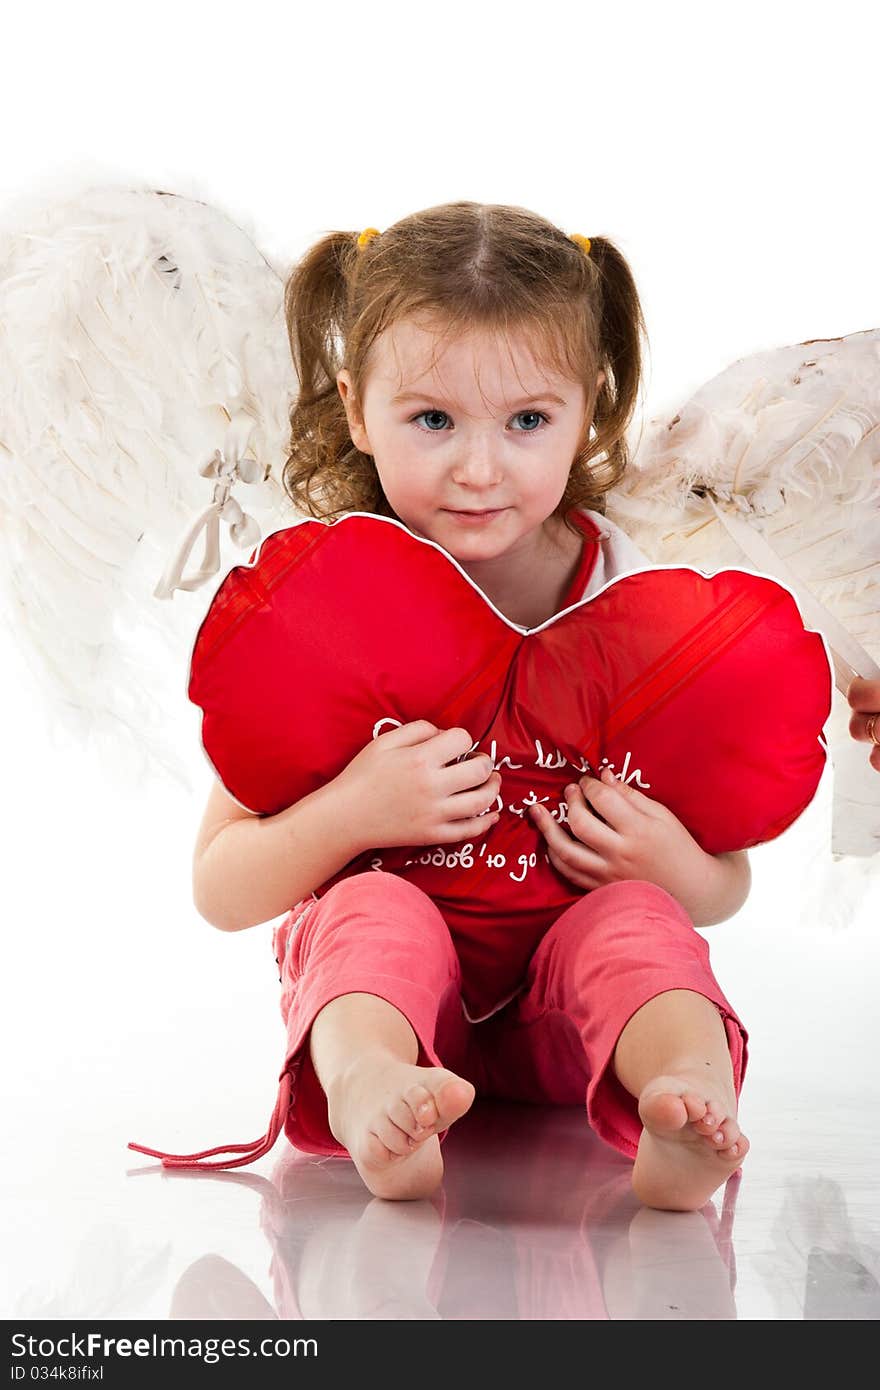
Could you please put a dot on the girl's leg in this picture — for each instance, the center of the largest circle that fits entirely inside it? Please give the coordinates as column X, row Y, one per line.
column 372, row 987
column 621, row 1005
column 673, row 1056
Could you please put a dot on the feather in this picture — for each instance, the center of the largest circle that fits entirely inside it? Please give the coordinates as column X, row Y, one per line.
column 135, row 328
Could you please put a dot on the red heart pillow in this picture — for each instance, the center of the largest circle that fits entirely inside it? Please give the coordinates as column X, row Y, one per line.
column 704, row 691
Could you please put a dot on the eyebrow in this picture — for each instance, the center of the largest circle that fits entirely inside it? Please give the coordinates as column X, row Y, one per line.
column 431, row 395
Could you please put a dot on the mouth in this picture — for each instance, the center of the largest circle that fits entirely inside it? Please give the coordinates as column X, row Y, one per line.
column 475, row 516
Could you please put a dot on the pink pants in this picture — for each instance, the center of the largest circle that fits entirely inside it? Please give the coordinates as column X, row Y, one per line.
column 603, row 958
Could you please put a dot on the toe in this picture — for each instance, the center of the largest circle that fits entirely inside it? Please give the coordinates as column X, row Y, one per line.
column 374, row 1153
column 669, row 1103
column 695, row 1105
column 709, row 1123
column 436, row 1110
column 422, row 1106
column 454, row 1098
column 662, row 1111
column 738, row 1149
column 401, row 1114
column 391, row 1137
column 724, row 1134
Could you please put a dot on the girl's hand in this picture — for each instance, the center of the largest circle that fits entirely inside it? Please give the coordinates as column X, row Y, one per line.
column 641, row 840
column 405, row 788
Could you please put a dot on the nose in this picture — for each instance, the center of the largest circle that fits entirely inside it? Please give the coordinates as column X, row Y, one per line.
column 477, row 464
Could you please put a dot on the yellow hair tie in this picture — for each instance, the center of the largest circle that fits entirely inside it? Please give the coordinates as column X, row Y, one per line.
column 582, row 241
column 366, row 235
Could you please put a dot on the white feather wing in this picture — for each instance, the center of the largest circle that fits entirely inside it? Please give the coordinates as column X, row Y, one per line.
column 774, row 466
column 134, row 327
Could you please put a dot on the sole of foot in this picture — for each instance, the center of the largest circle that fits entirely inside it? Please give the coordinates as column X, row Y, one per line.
column 389, row 1115
column 690, row 1145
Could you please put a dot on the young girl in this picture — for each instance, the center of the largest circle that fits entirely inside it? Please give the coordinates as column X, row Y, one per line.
column 471, row 372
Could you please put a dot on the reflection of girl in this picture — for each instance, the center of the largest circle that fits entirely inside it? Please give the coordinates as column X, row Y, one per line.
column 534, row 1227
column 471, row 372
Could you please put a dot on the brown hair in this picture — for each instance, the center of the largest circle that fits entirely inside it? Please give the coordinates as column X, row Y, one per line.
column 462, row 266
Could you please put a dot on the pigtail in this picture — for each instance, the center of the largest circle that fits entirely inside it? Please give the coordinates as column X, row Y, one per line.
column 619, row 326
column 314, row 307
column 324, row 469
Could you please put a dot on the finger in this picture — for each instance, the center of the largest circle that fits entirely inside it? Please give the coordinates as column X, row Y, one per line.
column 407, row 735
column 858, row 727
column 864, row 695
column 603, row 839
column 475, row 802
column 642, row 803
column 570, row 853
column 471, row 773
column 452, row 748
column 457, row 831
column 576, row 875
column 619, row 805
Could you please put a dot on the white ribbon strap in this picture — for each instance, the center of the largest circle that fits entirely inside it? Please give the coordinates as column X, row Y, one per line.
column 848, row 656
column 228, row 467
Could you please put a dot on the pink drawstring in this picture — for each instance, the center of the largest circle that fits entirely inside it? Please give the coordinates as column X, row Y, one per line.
column 250, row 1152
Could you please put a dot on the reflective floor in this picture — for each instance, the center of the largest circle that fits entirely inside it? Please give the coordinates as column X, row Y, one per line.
column 535, row 1220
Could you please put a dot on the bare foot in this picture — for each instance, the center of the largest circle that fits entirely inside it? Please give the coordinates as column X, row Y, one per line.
column 690, row 1144
column 388, row 1114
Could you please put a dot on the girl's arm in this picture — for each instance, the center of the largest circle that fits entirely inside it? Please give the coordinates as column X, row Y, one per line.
column 248, row 869
column 723, row 890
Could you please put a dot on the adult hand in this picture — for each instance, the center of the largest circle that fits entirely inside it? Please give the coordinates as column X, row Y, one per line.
column 864, row 698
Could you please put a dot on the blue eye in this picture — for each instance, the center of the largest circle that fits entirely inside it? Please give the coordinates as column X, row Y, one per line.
column 429, row 412
column 535, row 414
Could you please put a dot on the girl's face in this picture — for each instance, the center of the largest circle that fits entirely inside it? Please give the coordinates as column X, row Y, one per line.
column 486, row 430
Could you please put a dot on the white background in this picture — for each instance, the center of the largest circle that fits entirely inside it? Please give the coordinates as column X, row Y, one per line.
column 731, row 154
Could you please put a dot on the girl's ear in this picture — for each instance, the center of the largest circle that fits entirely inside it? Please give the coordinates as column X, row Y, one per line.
column 355, row 421
column 600, row 380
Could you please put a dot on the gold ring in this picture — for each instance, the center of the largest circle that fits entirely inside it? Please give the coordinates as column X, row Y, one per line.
column 870, row 728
